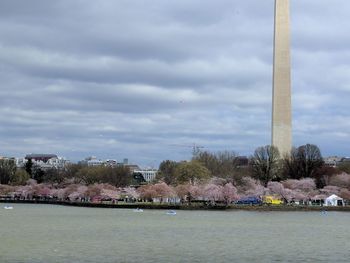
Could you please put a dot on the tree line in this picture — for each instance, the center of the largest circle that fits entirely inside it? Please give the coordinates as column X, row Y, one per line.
column 118, row 176
column 266, row 165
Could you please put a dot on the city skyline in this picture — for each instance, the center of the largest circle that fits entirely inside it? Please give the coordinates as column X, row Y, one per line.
column 143, row 80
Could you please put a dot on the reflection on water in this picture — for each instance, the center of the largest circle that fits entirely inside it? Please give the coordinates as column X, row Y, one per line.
column 44, row 233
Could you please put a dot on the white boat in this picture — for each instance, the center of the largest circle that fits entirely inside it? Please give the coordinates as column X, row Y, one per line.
column 8, row 207
column 171, row 212
column 138, row 210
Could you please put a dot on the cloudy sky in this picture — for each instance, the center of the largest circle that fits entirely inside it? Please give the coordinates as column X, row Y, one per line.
column 144, row 79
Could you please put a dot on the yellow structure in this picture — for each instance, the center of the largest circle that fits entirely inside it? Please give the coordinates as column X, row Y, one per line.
column 272, row 200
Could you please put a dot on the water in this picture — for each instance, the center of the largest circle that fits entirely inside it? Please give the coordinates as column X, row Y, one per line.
column 44, row 233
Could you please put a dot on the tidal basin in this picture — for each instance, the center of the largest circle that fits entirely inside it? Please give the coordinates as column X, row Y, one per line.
column 49, row 233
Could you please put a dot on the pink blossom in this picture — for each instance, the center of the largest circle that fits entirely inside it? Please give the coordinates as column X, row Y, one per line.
column 251, row 187
column 340, row 180
column 229, row 193
column 6, row 189
column 80, row 192
column 31, row 182
column 276, row 188
column 330, row 189
column 213, row 192
column 196, row 191
column 164, row 190
column 113, row 194
column 131, row 192
column 345, row 193
column 42, row 190
column 182, row 190
column 306, row 184
column 94, row 191
column 147, row 192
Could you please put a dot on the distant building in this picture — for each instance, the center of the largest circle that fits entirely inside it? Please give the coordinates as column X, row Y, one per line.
column 148, row 174
column 111, row 163
column 7, row 158
column 92, row 161
column 40, row 157
column 20, row 162
column 44, row 161
column 335, row 161
column 332, row 161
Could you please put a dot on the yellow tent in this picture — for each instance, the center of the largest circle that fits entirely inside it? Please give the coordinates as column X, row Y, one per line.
column 272, row 200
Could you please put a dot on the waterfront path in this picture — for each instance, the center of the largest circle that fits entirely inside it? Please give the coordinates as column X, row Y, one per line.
column 195, row 206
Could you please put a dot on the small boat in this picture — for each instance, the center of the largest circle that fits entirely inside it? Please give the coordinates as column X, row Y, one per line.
column 8, row 207
column 138, row 210
column 171, row 212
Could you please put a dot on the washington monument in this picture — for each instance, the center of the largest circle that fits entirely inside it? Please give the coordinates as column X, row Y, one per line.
column 281, row 101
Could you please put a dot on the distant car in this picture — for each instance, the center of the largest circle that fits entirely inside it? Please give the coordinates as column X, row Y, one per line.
column 252, row 200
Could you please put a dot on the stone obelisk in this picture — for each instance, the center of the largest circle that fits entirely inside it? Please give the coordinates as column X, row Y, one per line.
column 281, row 101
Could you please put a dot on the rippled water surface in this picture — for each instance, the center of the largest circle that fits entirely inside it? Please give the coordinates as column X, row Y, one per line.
column 44, row 233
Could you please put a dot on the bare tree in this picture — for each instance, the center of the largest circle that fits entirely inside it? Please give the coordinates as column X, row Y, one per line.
column 7, row 170
column 310, row 159
column 225, row 164
column 265, row 164
column 303, row 162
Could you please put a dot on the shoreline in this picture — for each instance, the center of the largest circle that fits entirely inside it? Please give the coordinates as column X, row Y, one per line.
column 256, row 208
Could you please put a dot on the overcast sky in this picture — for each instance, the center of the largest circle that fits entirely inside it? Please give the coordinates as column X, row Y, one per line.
column 141, row 79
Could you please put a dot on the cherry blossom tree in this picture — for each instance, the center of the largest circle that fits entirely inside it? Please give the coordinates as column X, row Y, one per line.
column 94, row 192
column 110, row 194
column 330, row 189
column 213, row 192
column 276, row 188
column 196, row 191
column 340, row 180
column 30, row 190
column 147, row 192
column 31, row 182
column 229, row 193
column 42, row 190
column 345, row 193
column 251, row 187
column 163, row 191
column 182, row 191
column 306, row 184
column 294, row 195
column 131, row 192
column 189, row 192
column 5, row 188
column 61, row 194
column 79, row 193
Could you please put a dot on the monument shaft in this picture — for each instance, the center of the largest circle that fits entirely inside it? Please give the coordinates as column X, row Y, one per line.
column 281, row 101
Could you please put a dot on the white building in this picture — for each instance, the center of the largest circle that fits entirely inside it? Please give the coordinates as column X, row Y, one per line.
column 148, row 174
column 92, row 161
column 332, row 161
column 43, row 161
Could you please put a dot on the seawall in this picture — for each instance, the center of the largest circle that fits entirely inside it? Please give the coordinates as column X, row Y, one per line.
column 256, row 208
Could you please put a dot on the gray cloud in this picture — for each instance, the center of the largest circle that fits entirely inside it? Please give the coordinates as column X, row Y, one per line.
column 133, row 78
